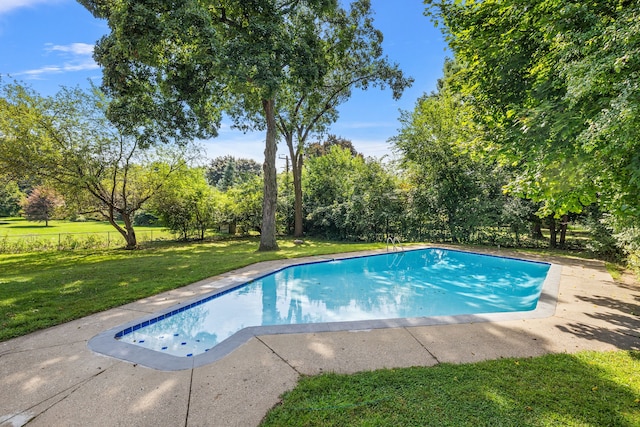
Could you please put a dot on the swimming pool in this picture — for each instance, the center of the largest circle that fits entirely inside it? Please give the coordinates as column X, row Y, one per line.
column 416, row 287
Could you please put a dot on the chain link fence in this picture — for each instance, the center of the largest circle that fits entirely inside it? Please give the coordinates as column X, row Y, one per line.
column 18, row 243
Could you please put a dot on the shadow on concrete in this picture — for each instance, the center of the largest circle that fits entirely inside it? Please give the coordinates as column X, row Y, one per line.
column 623, row 316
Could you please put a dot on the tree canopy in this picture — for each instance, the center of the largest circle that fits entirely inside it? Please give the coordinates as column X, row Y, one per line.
column 42, row 204
column 177, row 65
column 554, row 85
column 352, row 51
column 65, row 140
column 240, row 168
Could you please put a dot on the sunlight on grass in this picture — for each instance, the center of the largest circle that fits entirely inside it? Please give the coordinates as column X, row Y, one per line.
column 21, row 226
column 46, row 289
column 585, row 389
column 71, row 288
column 615, row 270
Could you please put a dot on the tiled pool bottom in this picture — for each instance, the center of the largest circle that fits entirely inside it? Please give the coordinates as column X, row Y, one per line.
column 106, row 343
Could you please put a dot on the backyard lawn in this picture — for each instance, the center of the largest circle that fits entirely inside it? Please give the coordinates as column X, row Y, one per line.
column 20, row 235
column 42, row 289
column 21, row 227
column 585, row 389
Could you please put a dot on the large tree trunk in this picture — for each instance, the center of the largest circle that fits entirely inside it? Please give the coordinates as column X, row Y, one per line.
column 128, row 232
column 130, row 237
column 296, row 165
column 553, row 240
column 270, row 200
column 298, row 230
column 536, row 228
column 563, row 230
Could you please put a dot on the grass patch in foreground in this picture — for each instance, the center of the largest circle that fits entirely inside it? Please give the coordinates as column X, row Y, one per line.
column 585, row 389
column 615, row 270
column 43, row 289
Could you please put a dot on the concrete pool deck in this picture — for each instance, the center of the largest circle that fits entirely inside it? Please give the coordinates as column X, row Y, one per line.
column 51, row 378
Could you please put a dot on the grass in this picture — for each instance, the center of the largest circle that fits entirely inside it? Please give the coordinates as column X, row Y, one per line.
column 615, row 270
column 43, row 289
column 18, row 235
column 585, row 389
column 20, row 227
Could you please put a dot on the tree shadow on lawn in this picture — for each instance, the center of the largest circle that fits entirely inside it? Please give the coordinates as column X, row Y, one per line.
column 32, row 227
column 44, row 289
column 557, row 389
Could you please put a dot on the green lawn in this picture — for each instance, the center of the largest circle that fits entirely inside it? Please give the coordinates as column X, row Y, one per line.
column 585, row 389
column 18, row 235
column 20, row 226
column 43, row 289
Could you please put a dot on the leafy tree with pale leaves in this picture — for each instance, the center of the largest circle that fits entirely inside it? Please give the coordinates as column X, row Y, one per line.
column 10, row 197
column 187, row 204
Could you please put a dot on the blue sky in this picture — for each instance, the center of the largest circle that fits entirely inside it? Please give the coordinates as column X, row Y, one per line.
column 49, row 43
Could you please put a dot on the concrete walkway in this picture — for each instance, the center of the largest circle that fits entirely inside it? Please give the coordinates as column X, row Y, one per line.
column 50, row 378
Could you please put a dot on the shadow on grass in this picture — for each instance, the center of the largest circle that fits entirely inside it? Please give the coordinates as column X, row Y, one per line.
column 39, row 290
column 583, row 389
column 31, row 227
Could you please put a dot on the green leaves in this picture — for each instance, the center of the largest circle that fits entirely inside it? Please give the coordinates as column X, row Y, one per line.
column 554, row 84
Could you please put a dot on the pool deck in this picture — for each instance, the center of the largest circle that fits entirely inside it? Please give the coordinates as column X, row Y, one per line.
column 51, row 378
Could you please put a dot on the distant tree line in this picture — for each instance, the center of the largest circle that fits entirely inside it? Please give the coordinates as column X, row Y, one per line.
column 533, row 125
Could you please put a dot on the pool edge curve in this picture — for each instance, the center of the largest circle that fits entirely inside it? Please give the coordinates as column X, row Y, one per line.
column 105, row 343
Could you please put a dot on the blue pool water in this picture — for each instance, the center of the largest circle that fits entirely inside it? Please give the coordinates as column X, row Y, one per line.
column 419, row 283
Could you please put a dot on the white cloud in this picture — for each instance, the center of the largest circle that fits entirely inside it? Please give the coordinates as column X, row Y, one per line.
column 75, row 57
column 73, row 48
column 57, row 69
column 10, row 5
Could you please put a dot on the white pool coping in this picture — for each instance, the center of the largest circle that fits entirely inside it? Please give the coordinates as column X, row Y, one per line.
column 106, row 343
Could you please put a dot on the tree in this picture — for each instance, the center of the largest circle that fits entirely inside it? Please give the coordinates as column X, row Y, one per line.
column 320, row 148
column 286, row 215
column 177, row 65
column 187, row 204
column 352, row 51
column 555, row 89
column 329, row 187
column 452, row 189
column 66, row 140
column 10, row 197
column 351, row 197
column 377, row 206
column 244, row 207
column 228, row 178
column 244, row 169
column 42, row 204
